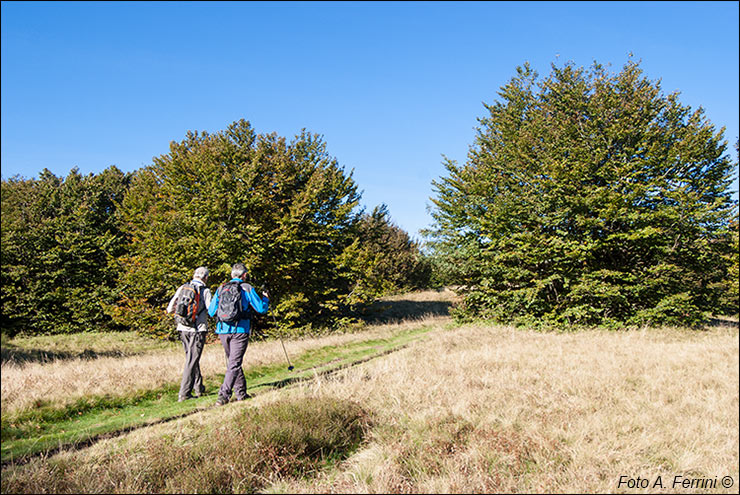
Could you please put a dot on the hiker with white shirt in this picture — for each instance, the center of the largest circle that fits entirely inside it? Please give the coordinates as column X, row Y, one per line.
column 189, row 305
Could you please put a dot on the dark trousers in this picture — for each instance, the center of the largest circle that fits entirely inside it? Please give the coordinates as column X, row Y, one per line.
column 193, row 343
column 235, row 345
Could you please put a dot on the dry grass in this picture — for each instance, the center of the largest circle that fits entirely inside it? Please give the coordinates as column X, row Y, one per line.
column 493, row 409
column 413, row 305
column 46, row 348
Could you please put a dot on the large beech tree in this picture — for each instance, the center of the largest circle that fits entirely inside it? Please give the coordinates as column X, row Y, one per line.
column 285, row 209
column 588, row 197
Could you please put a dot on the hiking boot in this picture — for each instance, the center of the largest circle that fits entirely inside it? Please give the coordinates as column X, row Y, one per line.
column 200, row 393
column 183, row 399
column 248, row 396
column 221, row 402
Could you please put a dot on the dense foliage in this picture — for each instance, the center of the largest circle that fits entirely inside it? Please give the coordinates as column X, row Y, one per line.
column 730, row 302
column 59, row 236
column 588, row 198
column 108, row 251
column 384, row 259
column 287, row 210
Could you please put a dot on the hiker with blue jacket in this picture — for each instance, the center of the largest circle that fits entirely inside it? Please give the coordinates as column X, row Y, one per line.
column 189, row 306
column 232, row 305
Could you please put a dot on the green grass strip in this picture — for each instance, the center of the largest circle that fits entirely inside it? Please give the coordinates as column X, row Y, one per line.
column 50, row 427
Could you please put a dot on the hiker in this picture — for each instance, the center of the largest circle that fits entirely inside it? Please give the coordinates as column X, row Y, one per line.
column 231, row 305
column 189, row 306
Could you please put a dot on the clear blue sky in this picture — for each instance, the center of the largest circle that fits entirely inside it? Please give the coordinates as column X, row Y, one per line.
column 392, row 86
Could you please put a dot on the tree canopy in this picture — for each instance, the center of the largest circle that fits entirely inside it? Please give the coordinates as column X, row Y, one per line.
column 587, row 198
column 282, row 208
column 383, row 258
column 59, row 236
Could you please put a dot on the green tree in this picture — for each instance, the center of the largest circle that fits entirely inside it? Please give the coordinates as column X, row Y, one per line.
column 587, row 198
column 285, row 209
column 59, row 237
column 383, row 259
column 732, row 289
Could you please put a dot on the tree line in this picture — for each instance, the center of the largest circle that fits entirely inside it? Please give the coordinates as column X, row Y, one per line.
column 107, row 251
column 587, row 198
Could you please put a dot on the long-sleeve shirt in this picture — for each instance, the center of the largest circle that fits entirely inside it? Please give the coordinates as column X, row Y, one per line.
column 201, row 321
column 249, row 298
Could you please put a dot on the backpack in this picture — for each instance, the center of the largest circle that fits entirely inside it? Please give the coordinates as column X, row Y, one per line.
column 230, row 303
column 188, row 308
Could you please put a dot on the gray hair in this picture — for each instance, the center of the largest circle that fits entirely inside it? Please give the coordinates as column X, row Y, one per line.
column 201, row 273
column 238, row 270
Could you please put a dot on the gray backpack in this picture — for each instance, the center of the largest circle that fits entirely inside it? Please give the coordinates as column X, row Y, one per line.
column 188, row 305
column 230, row 307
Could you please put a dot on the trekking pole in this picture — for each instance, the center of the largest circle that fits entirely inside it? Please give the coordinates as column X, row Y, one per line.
column 290, row 366
column 280, row 334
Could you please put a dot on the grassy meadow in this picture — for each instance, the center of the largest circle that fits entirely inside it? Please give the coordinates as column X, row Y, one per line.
column 405, row 405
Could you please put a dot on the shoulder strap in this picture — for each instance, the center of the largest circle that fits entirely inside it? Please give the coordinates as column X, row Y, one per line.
column 201, row 289
column 246, row 312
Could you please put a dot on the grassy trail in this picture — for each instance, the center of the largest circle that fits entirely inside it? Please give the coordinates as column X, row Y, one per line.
column 48, row 428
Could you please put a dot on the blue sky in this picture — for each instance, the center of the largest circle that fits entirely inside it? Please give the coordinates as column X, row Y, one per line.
column 391, row 86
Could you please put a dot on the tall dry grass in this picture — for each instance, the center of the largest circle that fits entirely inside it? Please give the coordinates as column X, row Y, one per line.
column 493, row 409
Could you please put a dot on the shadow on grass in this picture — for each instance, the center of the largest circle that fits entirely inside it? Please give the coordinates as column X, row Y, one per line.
column 402, row 309
column 20, row 355
column 723, row 321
